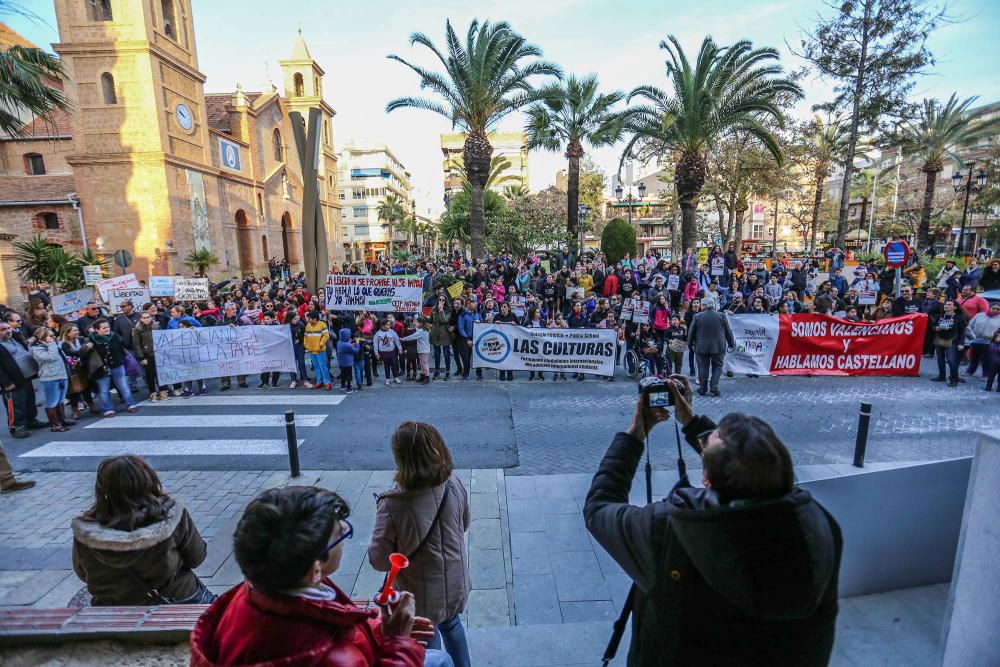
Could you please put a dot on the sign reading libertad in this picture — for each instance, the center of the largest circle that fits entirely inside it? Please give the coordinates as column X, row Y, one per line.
column 400, row 294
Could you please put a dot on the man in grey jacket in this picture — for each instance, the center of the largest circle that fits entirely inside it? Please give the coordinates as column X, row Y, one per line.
column 710, row 336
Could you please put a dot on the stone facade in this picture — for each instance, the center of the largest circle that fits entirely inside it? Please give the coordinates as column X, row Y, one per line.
column 159, row 167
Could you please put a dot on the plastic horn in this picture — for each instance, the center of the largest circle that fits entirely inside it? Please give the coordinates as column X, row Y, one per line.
column 397, row 562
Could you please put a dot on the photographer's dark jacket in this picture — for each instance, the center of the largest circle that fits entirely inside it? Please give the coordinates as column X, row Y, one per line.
column 718, row 583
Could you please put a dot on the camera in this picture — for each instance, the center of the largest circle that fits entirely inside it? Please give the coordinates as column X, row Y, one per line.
column 656, row 392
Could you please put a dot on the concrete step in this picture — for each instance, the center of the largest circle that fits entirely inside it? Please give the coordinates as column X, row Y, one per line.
column 552, row 645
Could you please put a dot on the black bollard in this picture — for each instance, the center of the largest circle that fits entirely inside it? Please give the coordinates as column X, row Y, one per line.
column 861, row 444
column 293, row 443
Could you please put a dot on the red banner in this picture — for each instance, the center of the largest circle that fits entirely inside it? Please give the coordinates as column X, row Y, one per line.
column 824, row 345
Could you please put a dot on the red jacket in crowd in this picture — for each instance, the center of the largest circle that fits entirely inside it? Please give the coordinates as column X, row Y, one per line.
column 246, row 626
column 610, row 285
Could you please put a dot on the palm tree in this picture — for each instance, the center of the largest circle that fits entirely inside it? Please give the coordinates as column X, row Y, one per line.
column 200, row 261
column 25, row 75
column 485, row 78
column 514, row 192
column 829, row 141
column 498, row 165
column 727, row 90
column 392, row 210
column 570, row 113
column 932, row 137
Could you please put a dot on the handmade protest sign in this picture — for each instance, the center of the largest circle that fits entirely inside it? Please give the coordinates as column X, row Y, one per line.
column 208, row 352
column 92, row 274
column 628, row 306
column 640, row 311
column 517, row 305
column 673, row 282
column 456, row 289
column 161, row 285
column 71, row 301
column 105, row 286
column 515, row 348
column 190, row 289
column 574, row 293
column 402, row 294
column 137, row 296
column 718, row 266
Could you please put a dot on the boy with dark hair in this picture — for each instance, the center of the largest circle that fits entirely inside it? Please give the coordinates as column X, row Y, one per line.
column 288, row 612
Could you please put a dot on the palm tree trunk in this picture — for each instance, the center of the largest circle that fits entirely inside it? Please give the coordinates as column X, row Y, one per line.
column 924, row 230
column 476, row 155
column 817, row 200
column 689, row 178
column 574, row 151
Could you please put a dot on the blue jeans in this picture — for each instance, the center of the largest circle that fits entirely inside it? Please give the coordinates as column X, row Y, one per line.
column 318, row 360
column 437, row 658
column 121, row 384
column 438, row 349
column 55, row 392
column 359, row 368
column 300, row 363
column 452, row 633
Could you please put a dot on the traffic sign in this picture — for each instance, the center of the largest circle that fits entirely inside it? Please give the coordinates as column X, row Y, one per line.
column 896, row 254
column 123, row 258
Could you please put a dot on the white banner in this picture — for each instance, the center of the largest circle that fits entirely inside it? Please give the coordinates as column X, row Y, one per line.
column 190, row 289
column 137, row 296
column 514, row 348
column 161, row 285
column 118, row 282
column 400, row 294
column 756, row 338
column 71, row 301
column 209, row 352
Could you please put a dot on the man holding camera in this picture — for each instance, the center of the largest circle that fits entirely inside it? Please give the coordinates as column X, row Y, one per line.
column 741, row 572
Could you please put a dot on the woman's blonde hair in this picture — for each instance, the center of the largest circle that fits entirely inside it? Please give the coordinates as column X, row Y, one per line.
column 422, row 458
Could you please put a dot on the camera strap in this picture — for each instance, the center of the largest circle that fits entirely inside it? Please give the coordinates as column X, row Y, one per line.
column 619, row 627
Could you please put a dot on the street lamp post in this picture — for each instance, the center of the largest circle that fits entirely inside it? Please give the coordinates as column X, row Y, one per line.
column 969, row 187
column 583, row 211
column 774, row 231
column 630, row 199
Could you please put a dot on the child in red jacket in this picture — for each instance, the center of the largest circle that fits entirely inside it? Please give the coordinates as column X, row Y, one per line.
column 288, row 612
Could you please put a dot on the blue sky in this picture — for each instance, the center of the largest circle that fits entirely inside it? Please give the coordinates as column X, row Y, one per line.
column 241, row 40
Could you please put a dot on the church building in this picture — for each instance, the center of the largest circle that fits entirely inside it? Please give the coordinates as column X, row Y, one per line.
column 147, row 161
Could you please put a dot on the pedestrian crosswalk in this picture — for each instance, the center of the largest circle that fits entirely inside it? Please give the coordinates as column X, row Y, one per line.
column 251, row 424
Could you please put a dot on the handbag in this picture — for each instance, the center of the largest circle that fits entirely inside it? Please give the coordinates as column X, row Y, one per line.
column 132, row 367
column 201, row 594
column 943, row 342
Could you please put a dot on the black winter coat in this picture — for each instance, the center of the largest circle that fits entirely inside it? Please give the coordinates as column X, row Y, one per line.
column 718, row 582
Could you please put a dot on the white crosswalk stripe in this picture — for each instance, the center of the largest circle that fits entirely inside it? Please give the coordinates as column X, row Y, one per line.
column 204, row 421
column 102, row 448
column 236, row 399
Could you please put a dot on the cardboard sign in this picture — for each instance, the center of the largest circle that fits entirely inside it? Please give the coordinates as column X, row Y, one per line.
column 456, row 289
column 92, row 274
column 118, row 282
column 673, row 282
column 718, row 266
column 137, row 296
column 190, row 289
column 71, row 302
column 161, row 285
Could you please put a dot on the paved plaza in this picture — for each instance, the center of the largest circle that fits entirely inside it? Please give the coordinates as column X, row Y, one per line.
column 526, row 452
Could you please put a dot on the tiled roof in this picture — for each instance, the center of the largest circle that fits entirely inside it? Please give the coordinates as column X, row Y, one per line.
column 56, row 123
column 218, row 105
column 10, row 37
column 36, row 188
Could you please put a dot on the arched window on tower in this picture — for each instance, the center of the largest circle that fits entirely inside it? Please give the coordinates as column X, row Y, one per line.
column 299, row 85
column 99, row 10
column 169, row 19
column 108, row 88
column 279, row 153
column 317, row 87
